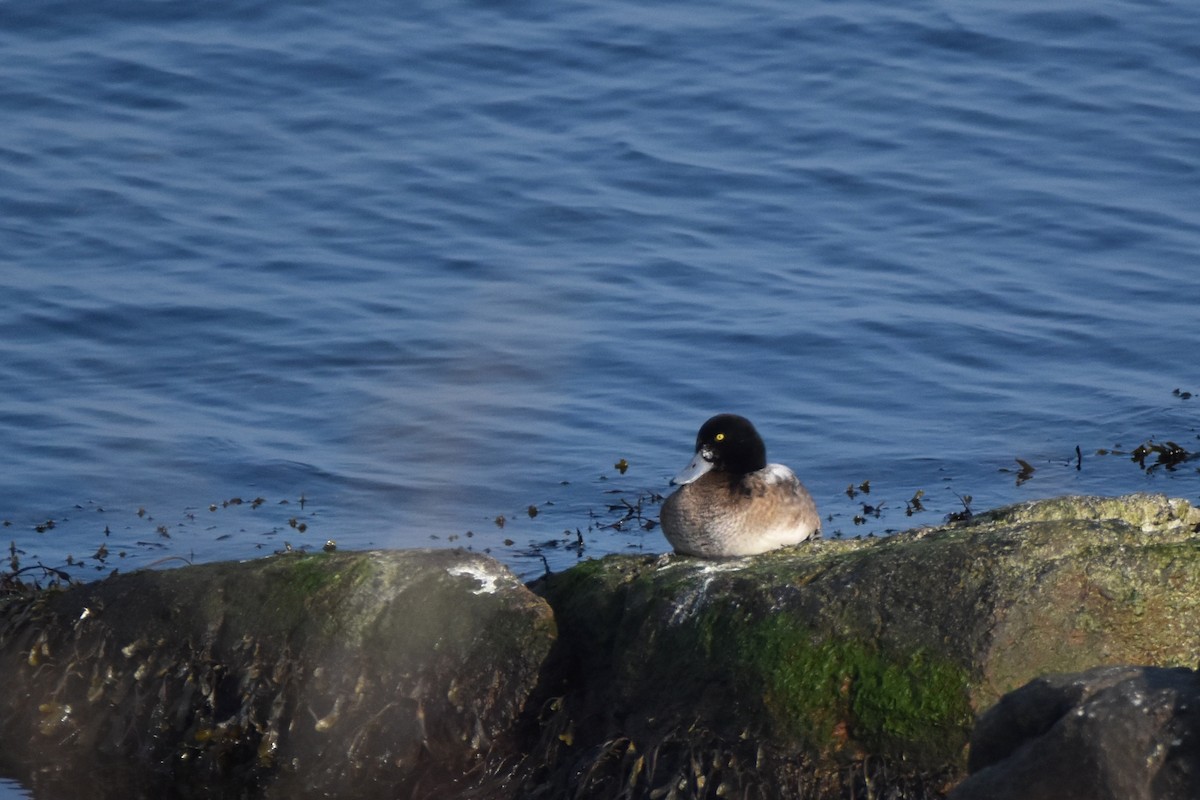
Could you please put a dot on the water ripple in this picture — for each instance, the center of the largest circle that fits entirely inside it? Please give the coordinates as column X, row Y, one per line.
column 425, row 265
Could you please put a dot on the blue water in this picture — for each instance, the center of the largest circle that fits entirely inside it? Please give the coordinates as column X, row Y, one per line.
column 399, row 271
column 11, row 790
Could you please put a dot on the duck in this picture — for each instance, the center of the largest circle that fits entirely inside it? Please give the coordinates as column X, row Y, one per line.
column 731, row 502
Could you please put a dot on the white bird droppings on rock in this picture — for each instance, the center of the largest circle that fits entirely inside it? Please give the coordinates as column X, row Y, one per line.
column 489, row 582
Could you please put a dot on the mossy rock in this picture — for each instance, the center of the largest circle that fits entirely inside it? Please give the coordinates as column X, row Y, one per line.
column 340, row 674
column 820, row 659
column 840, row 669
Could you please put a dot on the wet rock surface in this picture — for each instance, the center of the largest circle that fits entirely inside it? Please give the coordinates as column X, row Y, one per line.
column 1112, row 733
column 836, row 669
column 333, row 675
column 847, row 668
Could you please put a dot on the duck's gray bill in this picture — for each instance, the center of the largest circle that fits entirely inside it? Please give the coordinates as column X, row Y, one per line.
column 700, row 464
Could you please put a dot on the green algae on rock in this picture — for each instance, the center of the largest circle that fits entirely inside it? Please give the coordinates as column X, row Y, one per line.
column 835, row 669
column 341, row 674
column 832, row 652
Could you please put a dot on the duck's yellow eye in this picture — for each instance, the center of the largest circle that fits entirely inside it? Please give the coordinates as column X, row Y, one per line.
column 719, row 437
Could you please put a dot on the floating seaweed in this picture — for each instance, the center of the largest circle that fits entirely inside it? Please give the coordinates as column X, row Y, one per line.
column 1167, row 454
column 914, row 505
column 32, row 578
column 966, row 513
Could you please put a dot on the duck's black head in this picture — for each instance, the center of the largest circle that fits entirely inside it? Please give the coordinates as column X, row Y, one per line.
column 732, row 444
column 727, row 444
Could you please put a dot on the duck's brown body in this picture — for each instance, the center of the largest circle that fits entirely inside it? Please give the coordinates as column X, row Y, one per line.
column 732, row 503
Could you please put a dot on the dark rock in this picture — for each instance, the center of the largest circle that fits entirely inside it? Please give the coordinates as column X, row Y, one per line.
column 835, row 669
column 331, row 675
column 846, row 668
column 1112, row 733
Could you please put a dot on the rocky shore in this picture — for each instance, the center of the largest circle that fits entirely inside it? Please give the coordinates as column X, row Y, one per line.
column 843, row 669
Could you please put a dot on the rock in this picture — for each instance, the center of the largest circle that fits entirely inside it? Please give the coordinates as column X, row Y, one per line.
column 1112, row 733
column 331, row 675
column 835, row 669
column 837, row 663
